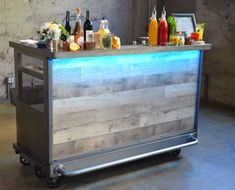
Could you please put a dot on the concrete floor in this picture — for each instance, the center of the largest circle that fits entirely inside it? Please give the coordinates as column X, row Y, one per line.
column 210, row 165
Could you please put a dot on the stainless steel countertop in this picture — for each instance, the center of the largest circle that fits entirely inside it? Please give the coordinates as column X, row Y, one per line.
column 139, row 49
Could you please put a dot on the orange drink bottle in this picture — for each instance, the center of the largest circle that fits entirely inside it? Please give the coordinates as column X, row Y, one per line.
column 153, row 29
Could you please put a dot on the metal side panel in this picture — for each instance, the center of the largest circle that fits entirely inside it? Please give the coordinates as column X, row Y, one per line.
column 199, row 80
column 32, row 132
column 79, row 165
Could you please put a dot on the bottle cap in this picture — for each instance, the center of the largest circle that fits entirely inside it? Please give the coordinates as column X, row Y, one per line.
column 78, row 10
column 87, row 13
column 154, row 13
column 164, row 12
column 102, row 21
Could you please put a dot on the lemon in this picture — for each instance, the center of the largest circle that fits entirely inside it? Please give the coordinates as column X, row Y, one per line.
column 74, row 47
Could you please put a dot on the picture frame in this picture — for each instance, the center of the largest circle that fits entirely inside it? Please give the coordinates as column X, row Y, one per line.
column 186, row 22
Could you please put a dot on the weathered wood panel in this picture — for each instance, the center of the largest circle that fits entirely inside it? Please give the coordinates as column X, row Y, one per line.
column 74, row 88
column 127, row 137
column 104, row 102
column 126, row 123
column 120, row 98
column 148, row 105
column 78, row 104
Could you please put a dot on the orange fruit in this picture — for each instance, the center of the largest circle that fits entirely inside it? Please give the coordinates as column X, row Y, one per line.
column 116, row 43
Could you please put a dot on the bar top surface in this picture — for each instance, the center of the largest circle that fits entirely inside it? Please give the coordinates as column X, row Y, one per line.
column 139, row 49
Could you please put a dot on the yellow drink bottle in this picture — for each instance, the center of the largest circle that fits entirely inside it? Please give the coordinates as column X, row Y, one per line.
column 103, row 31
column 153, row 29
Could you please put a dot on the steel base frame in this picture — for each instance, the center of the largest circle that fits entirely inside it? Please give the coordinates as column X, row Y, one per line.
column 80, row 164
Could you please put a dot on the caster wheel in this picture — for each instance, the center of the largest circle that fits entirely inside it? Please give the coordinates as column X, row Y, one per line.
column 23, row 161
column 175, row 153
column 53, row 182
column 39, row 172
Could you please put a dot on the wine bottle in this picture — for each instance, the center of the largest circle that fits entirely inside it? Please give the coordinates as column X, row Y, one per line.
column 67, row 24
column 88, row 28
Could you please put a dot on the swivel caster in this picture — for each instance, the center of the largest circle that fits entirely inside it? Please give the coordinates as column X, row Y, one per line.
column 53, row 182
column 175, row 153
column 23, row 161
column 38, row 171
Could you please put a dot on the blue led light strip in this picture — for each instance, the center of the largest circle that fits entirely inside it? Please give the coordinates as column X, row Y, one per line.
column 122, row 66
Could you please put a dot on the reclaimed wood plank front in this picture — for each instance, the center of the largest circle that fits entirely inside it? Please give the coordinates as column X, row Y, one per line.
column 107, row 102
column 128, row 137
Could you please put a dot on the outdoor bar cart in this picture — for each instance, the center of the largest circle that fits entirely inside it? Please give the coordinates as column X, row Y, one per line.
column 77, row 112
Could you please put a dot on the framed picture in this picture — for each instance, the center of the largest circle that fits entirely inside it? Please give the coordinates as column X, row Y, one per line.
column 186, row 22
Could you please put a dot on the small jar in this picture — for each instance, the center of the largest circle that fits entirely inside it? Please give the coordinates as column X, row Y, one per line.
column 97, row 40
column 134, row 43
column 173, row 40
column 90, row 46
column 65, row 46
column 71, row 39
column 188, row 40
column 107, row 41
column 181, row 38
column 53, row 45
column 144, row 42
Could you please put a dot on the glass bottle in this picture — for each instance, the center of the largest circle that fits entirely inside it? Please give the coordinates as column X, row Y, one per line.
column 88, row 28
column 153, row 29
column 163, row 30
column 103, row 31
column 67, row 24
column 78, row 30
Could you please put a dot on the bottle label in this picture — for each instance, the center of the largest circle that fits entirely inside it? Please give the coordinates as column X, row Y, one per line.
column 89, row 35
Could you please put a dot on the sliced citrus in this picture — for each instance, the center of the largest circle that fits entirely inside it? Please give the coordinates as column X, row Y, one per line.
column 74, row 47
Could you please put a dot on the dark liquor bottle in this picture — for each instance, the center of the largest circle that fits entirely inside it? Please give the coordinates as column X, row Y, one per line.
column 67, row 24
column 88, row 28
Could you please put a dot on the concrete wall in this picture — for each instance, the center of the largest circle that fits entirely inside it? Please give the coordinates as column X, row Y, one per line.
column 20, row 19
column 219, row 17
column 129, row 18
column 140, row 18
column 179, row 6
